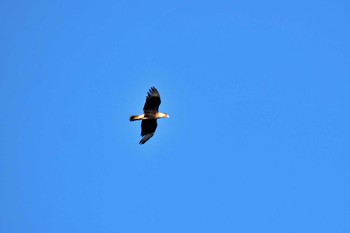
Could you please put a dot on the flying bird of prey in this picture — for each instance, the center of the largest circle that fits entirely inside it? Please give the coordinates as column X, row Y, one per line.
column 150, row 115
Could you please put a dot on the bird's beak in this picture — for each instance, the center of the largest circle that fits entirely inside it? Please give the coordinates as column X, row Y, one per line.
column 167, row 116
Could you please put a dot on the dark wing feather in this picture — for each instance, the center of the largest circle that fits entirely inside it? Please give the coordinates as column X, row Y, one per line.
column 148, row 126
column 152, row 101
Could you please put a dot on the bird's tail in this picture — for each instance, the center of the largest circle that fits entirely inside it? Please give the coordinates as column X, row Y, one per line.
column 136, row 117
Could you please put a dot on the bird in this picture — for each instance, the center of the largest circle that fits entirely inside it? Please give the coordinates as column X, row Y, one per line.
column 150, row 115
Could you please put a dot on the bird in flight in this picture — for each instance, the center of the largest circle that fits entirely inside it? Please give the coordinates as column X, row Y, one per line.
column 150, row 115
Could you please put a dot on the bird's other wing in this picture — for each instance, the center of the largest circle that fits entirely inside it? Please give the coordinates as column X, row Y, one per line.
column 148, row 128
column 152, row 101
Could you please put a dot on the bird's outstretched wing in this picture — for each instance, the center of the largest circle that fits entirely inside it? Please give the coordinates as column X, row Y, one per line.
column 148, row 127
column 152, row 100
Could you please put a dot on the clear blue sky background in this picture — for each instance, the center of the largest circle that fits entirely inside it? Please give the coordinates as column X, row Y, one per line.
column 258, row 136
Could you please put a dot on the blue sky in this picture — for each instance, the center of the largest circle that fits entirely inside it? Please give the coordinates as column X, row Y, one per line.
column 258, row 134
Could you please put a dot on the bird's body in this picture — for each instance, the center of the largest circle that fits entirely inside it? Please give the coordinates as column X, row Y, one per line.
column 150, row 115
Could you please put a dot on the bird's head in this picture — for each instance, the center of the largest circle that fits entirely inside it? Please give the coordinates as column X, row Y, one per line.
column 162, row 115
